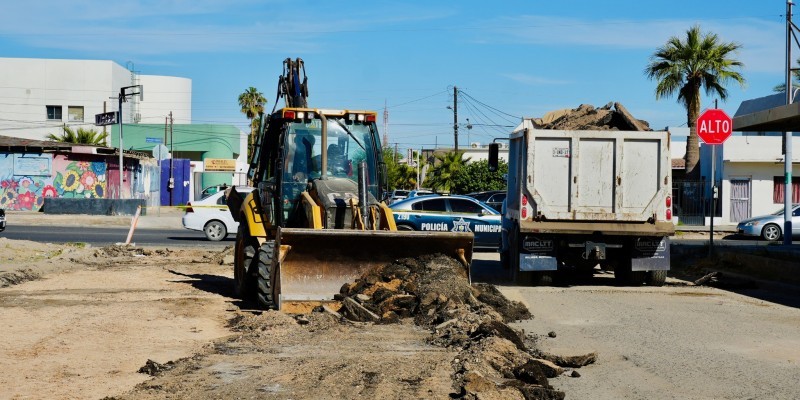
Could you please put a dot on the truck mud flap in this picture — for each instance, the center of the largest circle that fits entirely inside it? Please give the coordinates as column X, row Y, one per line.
column 650, row 254
column 313, row 264
column 537, row 254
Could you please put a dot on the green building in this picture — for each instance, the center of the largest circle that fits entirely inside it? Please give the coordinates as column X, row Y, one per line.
column 195, row 142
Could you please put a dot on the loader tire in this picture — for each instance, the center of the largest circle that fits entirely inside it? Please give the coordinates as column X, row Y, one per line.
column 266, row 263
column 656, row 278
column 244, row 269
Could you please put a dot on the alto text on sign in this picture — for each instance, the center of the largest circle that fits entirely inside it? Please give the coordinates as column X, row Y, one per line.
column 714, row 126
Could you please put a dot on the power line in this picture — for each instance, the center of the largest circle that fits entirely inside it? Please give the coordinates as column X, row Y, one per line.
column 490, row 107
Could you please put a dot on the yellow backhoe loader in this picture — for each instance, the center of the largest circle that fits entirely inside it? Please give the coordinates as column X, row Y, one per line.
column 316, row 220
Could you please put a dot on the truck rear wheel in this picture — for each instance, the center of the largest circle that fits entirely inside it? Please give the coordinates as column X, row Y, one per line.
column 543, row 278
column 243, row 266
column 656, row 278
column 266, row 263
column 624, row 276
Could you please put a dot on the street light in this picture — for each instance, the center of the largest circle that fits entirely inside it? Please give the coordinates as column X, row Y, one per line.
column 124, row 92
column 469, row 130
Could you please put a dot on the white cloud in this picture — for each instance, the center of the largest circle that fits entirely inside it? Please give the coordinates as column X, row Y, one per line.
column 762, row 41
column 148, row 27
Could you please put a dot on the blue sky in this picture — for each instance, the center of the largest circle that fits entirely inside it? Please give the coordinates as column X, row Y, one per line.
column 522, row 58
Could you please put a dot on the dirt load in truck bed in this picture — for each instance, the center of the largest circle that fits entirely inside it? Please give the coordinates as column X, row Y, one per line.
column 612, row 116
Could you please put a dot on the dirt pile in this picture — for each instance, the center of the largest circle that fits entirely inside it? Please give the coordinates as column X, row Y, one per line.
column 493, row 361
column 612, row 116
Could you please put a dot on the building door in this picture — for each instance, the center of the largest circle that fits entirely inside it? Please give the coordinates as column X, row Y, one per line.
column 740, row 199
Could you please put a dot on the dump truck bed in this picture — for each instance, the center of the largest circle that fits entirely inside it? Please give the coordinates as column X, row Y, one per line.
column 586, row 176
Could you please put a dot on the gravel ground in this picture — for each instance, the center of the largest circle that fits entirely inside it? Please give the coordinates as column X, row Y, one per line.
column 674, row 342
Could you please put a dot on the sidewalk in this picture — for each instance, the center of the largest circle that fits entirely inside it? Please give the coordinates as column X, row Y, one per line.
column 170, row 217
column 163, row 218
column 700, row 228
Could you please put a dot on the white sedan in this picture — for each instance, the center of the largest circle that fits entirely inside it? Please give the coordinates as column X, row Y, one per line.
column 210, row 215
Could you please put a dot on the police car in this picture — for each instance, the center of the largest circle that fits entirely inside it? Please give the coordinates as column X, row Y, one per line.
column 450, row 214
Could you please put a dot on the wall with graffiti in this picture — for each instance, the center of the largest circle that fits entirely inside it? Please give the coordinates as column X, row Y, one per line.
column 27, row 179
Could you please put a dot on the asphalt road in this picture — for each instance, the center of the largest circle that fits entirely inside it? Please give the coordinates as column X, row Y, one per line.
column 103, row 236
column 671, row 342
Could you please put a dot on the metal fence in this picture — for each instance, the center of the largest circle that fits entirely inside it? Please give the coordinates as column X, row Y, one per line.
column 691, row 203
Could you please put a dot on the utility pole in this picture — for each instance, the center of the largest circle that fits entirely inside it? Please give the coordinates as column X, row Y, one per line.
column 713, row 195
column 787, row 136
column 172, row 157
column 105, row 133
column 123, row 95
column 419, row 167
column 385, row 124
column 455, row 117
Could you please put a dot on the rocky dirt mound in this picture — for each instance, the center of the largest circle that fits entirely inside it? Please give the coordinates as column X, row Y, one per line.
column 612, row 116
column 494, row 360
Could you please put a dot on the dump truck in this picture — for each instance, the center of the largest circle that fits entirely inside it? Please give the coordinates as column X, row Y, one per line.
column 316, row 220
column 579, row 198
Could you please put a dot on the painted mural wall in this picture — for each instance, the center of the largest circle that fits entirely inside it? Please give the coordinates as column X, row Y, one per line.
column 26, row 179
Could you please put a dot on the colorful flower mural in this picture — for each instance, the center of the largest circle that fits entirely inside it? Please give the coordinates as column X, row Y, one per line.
column 73, row 179
column 80, row 180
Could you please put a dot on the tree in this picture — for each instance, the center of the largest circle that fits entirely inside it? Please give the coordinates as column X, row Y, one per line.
column 686, row 66
column 476, row 177
column 399, row 176
column 445, row 167
column 82, row 136
column 795, row 81
column 252, row 104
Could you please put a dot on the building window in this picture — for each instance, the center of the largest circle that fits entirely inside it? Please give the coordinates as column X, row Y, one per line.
column 75, row 114
column 54, row 113
column 779, row 187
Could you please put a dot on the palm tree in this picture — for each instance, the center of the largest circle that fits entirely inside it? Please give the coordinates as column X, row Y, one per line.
column 406, row 177
column 252, row 104
column 82, row 136
column 686, row 66
column 795, row 81
column 446, row 166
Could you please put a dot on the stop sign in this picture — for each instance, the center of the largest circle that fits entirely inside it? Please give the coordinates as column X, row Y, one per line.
column 714, row 126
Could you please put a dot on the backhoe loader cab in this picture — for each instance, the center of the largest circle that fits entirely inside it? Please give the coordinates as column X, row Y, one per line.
column 318, row 152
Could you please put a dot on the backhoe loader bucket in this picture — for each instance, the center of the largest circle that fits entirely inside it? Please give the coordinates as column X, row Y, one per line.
column 314, row 264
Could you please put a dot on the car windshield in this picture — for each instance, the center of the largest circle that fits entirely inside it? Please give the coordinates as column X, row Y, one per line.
column 780, row 211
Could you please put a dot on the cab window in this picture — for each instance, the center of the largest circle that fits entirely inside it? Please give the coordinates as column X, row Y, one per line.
column 430, row 205
column 464, row 206
column 222, row 200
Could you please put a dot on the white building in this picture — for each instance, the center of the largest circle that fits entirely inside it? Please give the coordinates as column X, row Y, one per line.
column 751, row 172
column 750, row 167
column 39, row 96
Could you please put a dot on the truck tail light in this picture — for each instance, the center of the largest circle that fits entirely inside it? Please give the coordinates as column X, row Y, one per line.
column 371, row 117
column 523, row 207
column 668, row 203
column 288, row 114
column 189, row 207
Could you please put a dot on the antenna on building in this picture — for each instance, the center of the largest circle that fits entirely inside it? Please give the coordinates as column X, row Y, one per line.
column 385, row 124
column 136, row 115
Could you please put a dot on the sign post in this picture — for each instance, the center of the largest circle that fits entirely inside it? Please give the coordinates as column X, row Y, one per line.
column 714, row 127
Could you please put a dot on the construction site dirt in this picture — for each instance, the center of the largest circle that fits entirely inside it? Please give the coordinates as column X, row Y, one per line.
column 132, row 323
column 156, row 323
